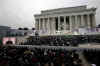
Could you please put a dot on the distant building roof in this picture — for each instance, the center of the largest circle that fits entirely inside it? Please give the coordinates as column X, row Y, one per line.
column 66, row 10
column 5, row 27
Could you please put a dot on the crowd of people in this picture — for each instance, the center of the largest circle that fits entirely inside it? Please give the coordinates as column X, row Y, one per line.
column 12, row 56
column 93, row 57
column 52, row 41
column 17, row 56
column 62, row 40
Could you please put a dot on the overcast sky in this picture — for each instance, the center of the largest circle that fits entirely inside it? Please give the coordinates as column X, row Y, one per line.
column 19, row 13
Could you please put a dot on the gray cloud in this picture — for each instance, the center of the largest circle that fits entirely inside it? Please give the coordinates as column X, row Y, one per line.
column 19, row 13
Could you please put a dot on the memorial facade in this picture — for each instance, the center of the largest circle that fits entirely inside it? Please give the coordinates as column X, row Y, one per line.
column 65, row 20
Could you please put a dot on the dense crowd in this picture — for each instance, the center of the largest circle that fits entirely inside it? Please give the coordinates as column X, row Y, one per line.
column 93, row 57
column 12, row 56
column 52, row 41
column 62, row 40
column 15, row 56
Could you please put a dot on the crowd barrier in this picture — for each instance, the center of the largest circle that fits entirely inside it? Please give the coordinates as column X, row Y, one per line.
column 56, row 47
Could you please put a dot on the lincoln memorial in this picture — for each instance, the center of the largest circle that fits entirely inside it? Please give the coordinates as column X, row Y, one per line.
column 65, row 20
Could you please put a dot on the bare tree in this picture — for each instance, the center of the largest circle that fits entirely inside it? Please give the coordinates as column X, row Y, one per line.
column 25, row 28
column 20, row 28
column 33, row 28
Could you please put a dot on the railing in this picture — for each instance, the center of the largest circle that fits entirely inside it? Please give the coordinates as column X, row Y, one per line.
column 57, row 47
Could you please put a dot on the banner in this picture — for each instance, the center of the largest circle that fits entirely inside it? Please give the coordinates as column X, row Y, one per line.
column 83, row 31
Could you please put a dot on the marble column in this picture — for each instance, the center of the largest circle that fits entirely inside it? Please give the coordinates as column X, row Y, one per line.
column 88, row 20
column 82, row 21
column 53, row 25
column 64, row 23
column 70, row 21
column 76, row 22
column 48, row 25
column 94, row 20
column 39, row 25
column 43, row 24
column 59, row 27
column 36, row 25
